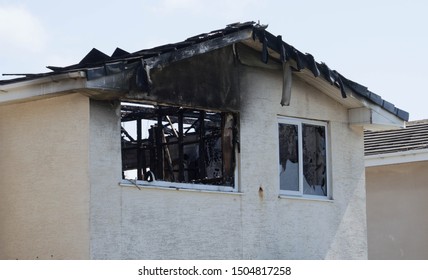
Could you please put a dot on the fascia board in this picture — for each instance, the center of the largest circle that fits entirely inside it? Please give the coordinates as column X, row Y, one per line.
column 396, row 158
column 49, row 86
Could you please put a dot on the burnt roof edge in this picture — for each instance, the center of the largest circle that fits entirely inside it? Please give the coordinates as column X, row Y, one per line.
column 306, row 61
column 233, row 33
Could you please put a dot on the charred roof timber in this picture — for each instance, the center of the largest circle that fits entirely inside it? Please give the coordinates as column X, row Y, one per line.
column 134, row 69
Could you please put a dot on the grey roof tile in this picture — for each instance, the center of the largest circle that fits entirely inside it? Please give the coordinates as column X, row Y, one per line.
column 413, row 137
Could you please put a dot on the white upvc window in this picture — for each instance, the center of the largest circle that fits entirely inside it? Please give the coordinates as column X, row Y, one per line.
column 303, row 158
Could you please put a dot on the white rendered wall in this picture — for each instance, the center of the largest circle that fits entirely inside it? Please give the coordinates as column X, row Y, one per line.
column 105, row 173
column 297, row 228
column 132, row 223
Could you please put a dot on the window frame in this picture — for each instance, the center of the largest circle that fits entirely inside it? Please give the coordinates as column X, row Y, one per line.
column 164, row 184
column 299, row 123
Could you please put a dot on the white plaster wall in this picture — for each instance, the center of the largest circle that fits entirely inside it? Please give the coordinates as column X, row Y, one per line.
column 105, row 174
column 130, row 223
column 297, row 228
column 44, row 186
column 171, row 224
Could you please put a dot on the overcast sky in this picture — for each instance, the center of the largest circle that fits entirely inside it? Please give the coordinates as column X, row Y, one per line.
column 378, row 43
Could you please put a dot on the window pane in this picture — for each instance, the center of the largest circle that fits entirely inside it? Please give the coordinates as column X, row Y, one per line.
column 314, row 160
column 288, row 157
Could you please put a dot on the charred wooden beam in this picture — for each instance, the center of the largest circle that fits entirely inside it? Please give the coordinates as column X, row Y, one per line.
column 152, row 141
column 140, row 165
column 123, row 130
column 202, row 164
column 180, row 147
column 159, row 148
column 228, row 146
column 167, row 158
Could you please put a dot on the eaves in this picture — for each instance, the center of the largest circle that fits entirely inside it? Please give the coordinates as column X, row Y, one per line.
column 50, row 86
column 396, row 158
column 108, row 77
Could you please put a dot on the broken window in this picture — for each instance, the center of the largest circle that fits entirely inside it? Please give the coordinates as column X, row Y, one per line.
column 303, row 168
column 176, row 144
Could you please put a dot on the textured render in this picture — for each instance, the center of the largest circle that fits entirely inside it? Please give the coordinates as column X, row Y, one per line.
column 296, row 228
column 163, row 224
column 396, row 211
column 130, row 223
column 105, row 173
column 44, row 188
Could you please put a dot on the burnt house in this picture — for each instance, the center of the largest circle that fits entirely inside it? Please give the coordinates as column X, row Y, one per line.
column 231, row 144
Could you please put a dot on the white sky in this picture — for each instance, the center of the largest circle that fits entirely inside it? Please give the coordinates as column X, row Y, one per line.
column 381, row 44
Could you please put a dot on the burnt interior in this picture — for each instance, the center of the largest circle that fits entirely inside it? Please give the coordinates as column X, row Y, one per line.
column 177, row 144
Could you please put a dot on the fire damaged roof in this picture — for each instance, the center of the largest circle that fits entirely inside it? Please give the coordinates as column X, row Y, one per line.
column 96, row 64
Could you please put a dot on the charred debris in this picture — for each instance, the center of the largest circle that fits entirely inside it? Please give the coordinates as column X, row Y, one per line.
column 175, row 144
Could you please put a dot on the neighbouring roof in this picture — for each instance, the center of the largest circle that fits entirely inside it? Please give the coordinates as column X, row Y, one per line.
column 97, row 64
column 413, row 137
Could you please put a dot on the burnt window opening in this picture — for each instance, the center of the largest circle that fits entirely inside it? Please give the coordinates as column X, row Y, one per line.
column 177, row 144
column 303, row 157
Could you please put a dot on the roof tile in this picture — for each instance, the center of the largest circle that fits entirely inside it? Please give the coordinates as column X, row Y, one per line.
column 413, row 137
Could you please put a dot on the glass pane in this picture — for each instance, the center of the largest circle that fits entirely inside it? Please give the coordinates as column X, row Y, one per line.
column 288, row 157
column 314, row 160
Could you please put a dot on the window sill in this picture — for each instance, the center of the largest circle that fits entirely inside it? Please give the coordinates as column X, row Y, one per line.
column 170, row 186
column 307, row 198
